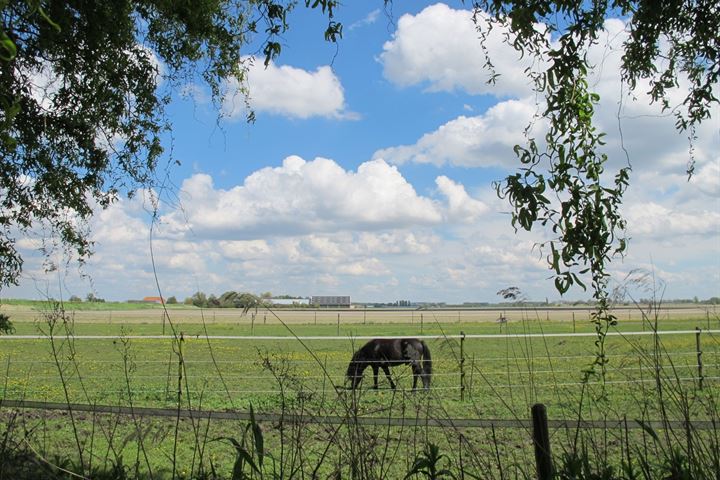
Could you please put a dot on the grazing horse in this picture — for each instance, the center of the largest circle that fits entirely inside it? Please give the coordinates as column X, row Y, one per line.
column 385, row 353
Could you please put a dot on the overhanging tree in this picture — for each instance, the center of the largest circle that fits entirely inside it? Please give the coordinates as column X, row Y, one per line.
column 82, row 98
column 95, row 132
column 561, row 181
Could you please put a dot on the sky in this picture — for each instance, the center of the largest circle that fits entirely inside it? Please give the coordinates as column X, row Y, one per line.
column 368, row 172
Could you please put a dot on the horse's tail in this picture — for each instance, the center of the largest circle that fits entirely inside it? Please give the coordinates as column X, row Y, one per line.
column 427, row 361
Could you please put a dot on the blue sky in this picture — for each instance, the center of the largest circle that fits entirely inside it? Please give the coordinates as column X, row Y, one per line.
column 368, row 173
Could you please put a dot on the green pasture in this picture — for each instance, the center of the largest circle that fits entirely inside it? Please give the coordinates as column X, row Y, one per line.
column 503, row 377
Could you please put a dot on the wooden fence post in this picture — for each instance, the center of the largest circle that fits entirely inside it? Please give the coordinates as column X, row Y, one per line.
column 541, row 440
column 421, row 324
column 462, row 366
column 338, row 325
column 698, row 331
column 252, row 324
column 573, row 322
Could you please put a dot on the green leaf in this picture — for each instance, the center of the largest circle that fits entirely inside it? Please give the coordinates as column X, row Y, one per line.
column 257, row 436
column 49, row 20
column 242, row 453
column 8, row 50
column 648, row 429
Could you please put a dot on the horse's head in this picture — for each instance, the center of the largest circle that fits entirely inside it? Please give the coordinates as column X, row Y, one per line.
column 355, row 371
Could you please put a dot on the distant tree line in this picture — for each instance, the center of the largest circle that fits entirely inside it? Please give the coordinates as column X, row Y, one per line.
column 90, row 298
column 229, row 299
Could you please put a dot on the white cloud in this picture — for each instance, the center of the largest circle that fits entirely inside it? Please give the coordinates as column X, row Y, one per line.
column 461, row 207
column 369, row 19
column 301, row 197
column 439, row 47
column 289, row 91
column 369, row 267
column 397, row 242
column 707, row 178
column 482, row 141
column 655, row 220
column 244, row 249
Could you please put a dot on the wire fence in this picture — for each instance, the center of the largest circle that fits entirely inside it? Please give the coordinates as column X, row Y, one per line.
column 364, row 337
column 217, row 366
column 416, row 421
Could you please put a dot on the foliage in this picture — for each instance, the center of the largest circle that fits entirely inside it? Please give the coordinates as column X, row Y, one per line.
column 427, row 464
column 91, row 298
column 561, row 181
column 199, row 299
column 83, row 90
column 252, row 457
column 230, row 299
column 172, row 301
column 6, row 326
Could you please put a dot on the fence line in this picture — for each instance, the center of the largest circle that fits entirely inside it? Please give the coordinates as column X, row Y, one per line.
column 348, row 337
column 386, row 389
column 369, row 421
column 677, row 356
column 538, row 358
column 453, row 374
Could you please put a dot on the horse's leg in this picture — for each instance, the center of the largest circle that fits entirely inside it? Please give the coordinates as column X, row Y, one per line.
column 417, row 371
column 375, row 376
column 389, row 377
column 425, row 379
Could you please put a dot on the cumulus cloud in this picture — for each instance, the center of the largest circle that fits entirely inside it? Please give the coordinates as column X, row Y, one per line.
column 369, row 267
column 655, row 220
column 289, row 91
column 397, row 242
column 461, row 206
column 480, row 141
column 301, row 197
column 707, row 178
column 439, row 48
column 244, row 249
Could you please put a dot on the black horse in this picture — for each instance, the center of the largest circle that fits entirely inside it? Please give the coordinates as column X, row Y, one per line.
column 385, row 353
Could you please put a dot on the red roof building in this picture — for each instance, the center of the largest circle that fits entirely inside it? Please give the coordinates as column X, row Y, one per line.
column 159, row 300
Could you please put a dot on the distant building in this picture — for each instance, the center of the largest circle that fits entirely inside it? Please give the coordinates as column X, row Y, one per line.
column 289, row 301
column 331, row 301
column 158, row 300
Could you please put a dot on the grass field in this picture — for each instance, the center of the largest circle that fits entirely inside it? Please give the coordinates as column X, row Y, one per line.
column 230, row 373
column 504, row 374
